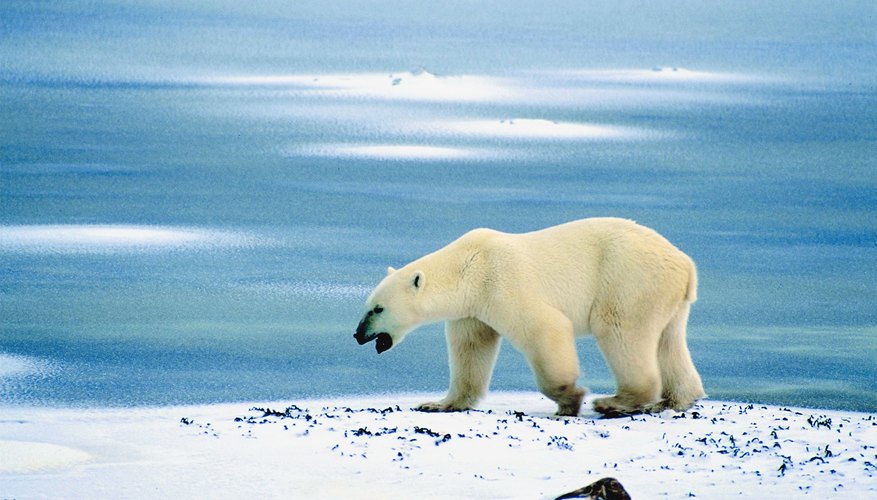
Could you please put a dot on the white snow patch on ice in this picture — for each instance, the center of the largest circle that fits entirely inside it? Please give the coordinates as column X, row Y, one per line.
column 23, row 457
column 661, row 74
column 97, row 235
column 417, row 85
column 15, row 366
column 73, row 238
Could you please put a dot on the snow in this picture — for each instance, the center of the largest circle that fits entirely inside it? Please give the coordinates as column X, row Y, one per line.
column 376, row 447
column 22, row 457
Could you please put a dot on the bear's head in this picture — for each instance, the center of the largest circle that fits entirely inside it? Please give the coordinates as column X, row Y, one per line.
column 394, row 308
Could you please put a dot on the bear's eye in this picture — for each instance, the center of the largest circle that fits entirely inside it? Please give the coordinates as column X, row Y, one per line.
column 378, row 309
column 417, row 281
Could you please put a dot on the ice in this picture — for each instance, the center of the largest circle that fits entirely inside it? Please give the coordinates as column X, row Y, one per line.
column 309, row 289
column 147, row 151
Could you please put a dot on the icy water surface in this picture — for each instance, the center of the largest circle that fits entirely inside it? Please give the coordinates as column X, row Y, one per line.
column 196, row 199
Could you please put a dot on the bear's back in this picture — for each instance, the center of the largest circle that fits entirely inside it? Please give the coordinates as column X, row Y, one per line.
column 571, row 265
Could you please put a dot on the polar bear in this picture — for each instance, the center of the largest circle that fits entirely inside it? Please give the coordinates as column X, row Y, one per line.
column 622, row 282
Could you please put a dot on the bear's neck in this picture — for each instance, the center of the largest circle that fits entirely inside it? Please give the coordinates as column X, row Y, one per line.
column 454, row 274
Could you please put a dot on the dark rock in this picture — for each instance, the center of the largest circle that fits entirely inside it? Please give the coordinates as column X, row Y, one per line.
column 607, row 488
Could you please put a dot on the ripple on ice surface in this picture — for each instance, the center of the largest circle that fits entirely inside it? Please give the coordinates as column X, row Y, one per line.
column 401, row 151
column 528, row 128
column 308, row 288
column 389, row 151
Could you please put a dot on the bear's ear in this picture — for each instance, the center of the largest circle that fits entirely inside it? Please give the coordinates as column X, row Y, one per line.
column 390, row 270
column 417, row 280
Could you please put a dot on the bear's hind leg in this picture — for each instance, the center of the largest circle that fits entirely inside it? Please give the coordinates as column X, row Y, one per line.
column 472, row 350
column 633, row 360
column 681, row 382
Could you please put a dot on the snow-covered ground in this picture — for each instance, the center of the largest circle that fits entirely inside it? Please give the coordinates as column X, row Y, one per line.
column 377, row 447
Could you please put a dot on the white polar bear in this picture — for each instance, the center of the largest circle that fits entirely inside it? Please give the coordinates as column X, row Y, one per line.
column 622, row 282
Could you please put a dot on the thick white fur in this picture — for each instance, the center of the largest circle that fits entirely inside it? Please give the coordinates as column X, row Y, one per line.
column 622, row 282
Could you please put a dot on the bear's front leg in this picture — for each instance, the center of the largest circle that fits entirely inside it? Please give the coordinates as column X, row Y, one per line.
column 472, row 350
column 546, row 338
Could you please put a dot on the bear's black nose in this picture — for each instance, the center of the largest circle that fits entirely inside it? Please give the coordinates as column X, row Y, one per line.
column 360, row 335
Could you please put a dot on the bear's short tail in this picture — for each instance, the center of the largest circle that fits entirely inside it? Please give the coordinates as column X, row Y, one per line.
column 691, row 293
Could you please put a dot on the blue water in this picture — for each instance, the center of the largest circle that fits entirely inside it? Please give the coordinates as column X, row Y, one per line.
column 175, row 228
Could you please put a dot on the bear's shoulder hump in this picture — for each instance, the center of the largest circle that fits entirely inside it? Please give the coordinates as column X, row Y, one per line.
column 482, row 234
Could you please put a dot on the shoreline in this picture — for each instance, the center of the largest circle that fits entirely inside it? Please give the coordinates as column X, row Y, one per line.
column 375, row 446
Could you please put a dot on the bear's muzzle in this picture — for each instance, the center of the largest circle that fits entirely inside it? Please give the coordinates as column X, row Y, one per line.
column 362, row 336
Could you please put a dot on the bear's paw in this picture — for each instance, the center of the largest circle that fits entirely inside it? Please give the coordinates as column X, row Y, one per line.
column 616, row 407
column 444, row 406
